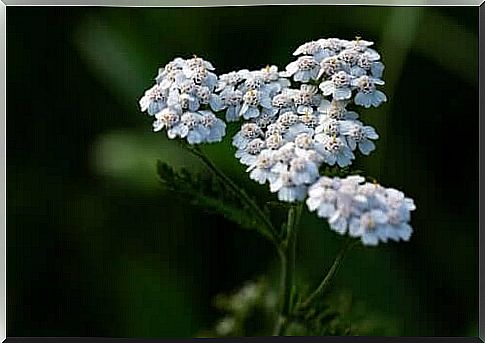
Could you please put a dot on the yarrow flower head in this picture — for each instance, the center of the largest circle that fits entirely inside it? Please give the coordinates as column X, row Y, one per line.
column 346, row 70
column 304, row 127
column 283, row 153
column 361, row 209
column 289, row 131
column 183, row 101
column 249, row 94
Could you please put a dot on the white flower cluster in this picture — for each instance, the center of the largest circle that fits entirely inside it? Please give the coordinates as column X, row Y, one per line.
column 290, row 131
column 183, row 101
column 288, row 150
column 248, row 94
column 343, row 69
column 365, row 210
column 283, row 154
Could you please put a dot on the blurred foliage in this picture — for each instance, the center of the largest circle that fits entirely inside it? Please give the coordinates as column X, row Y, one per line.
column 95, row 239
column 250, row 311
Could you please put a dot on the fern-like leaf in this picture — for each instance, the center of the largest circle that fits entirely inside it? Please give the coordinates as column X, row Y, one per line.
column 208, row 193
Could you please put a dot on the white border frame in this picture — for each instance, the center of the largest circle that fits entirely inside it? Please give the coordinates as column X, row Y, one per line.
column 3, row 172
column 144, row 3
column 231, row 3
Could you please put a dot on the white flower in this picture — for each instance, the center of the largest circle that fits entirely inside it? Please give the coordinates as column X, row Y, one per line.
column 248, row 132
column 398, row 228
column 287, row 119
column 269, row 73
column 166, row 119
column 329, row 126
column 347, row 204
column 330, row 66
column 368, row 62
column 303, row 171
column 199, row 71
column 370, row 226
column 214, row 128
column 335, row 45
column 167, row 79
column 338, row 86
column 310, row 120
column 283, row 101
column 249, row 153
column 169, row 73
column 231, row 79
column 317, row 50
column 322, row 199
column 368, row 95
column 336, row 150
column 336, row 110
column 304, row 141
column 349, row 56
column 358, row 134
column 252, row 81
column 309, row 48
column 266, row 118
column 304, row 69
column 364, row 210
column 154, row 100
column 275, row 128
column 232, row 102
column 306, row 98
column 251, row 102
column 287, row 190
column 198, row 127
column 189, row 125
column 260, row 170
column 363, row 46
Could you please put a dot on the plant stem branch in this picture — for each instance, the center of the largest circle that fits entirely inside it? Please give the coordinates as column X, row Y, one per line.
column 269, row 228
column 287, row 253
column 331, row 273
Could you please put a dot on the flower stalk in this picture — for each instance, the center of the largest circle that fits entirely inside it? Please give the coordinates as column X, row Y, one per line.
column 269, row 230
column 322, row 287
column 287, row 254
column 293, row 122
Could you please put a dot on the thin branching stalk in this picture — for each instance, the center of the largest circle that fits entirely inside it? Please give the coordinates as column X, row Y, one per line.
column 287, row 254
column 322, row 287
column 269, row 229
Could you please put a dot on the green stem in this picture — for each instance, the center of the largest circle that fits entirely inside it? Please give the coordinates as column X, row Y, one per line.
column 331, row 273
column 280, row 318
column 287, row 254
column 269, row 229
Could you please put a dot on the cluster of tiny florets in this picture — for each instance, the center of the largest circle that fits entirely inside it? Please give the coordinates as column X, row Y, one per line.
column 289, row 130
column 183, row 101
column 248, row 94
column 344, row 70
column 287, row 150
column 362, row 209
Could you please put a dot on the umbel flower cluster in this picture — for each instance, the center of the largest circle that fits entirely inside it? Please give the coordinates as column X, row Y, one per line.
column 183, row 101
column 366, row 210
column 292, row 122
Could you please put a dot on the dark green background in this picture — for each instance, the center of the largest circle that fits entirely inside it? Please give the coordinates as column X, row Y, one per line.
column 96, row 248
